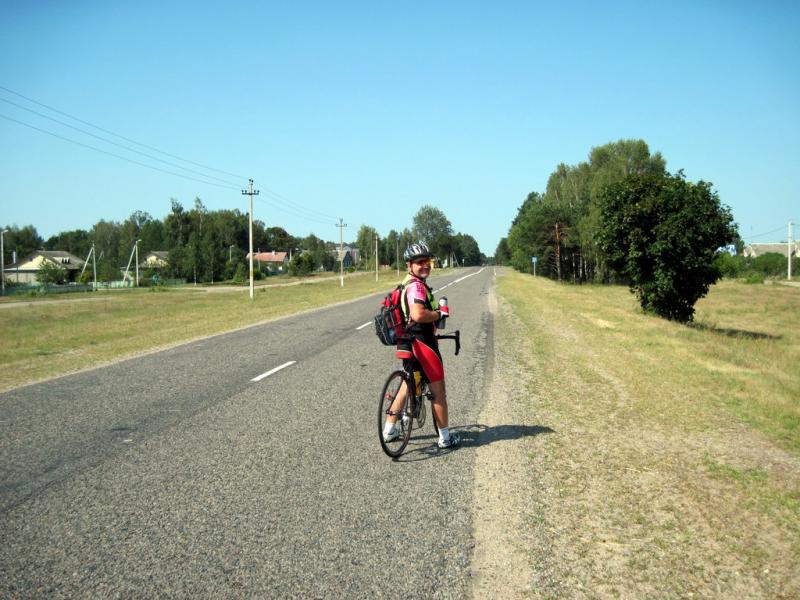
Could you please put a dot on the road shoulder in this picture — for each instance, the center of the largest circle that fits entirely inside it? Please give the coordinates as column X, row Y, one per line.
column 510, row 556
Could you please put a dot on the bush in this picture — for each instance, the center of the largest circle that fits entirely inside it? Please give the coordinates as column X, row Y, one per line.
column 301, row 264
column 239, row 275
column 663, row 234
column 729, row 265
column 753, row 277
column 770, row 264
column 51, row 274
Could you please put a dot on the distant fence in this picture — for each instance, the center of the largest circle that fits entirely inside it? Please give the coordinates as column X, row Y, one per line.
column 72, row 288
column 168, row 282
column 35, row 288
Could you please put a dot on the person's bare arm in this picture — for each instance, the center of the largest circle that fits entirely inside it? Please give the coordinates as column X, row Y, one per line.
column 420, row 314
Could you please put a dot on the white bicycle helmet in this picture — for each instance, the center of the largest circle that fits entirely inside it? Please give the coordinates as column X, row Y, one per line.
column 417, row 250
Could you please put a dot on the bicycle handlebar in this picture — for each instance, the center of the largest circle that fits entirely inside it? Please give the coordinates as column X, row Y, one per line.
column 456, row 335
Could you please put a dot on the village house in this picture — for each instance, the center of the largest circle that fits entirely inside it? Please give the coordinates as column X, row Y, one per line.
column 347, row 254
column 782, row 248
column 155, row 259
column 26, row 269
column 277, row 262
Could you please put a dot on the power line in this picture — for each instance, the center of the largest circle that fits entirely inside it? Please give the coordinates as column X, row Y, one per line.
column 750, row 237
column 313, row 212
column 118, row 135
column 118, row 145
column 287, row 209
column 293, row 208
column 300, row 211
column 130, row 160
column 309, row 215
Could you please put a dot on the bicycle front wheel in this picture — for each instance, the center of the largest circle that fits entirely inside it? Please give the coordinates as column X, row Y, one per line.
column 393, row 406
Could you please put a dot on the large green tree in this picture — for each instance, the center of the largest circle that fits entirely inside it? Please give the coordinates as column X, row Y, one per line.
column 365, row 242
column 21, row 241
column 75, row 242
column 318, row 253
column 663, row 234
column 502, row 255
column 390, row 250
column 277, row 238
column 432, row 227
column 466, row 250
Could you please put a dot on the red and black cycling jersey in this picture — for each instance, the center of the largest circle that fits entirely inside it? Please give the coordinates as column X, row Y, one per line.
column 416, row 291
column 424, row 344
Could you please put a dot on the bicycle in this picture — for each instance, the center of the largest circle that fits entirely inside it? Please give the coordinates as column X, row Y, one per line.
column 411, row 415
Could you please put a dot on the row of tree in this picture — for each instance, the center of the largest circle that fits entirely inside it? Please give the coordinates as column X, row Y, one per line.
column 430, row 225
column 622, row 217
column 207, row 246
column 561, row 226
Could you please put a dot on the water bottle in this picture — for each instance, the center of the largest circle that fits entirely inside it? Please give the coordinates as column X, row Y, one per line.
column 441, row 322
column 417, row 380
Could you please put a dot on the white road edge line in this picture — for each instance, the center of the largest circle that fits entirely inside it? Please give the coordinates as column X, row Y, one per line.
column 273, row 371
column 364, row 325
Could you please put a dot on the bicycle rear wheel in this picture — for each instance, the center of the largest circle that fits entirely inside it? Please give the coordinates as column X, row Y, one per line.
column 394, row 403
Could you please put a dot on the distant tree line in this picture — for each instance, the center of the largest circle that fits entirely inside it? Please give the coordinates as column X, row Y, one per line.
column 207, row 246
column 430, row 225
column 621, row 217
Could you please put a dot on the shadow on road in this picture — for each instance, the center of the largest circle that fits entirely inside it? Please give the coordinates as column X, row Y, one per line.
column 423, row 447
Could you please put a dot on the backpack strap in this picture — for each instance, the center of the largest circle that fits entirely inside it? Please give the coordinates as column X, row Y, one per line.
column 404, row 306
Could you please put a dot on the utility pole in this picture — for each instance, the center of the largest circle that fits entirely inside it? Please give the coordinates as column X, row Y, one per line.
column 128, row 268
column 376, row 257
column 2, row 264
column 397, row 254
column 341, row 227
column 790, row 250
column 251, row 192
column 137, row 262
column 94, row 267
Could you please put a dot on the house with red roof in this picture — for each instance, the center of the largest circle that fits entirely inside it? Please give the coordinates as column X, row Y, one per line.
column 277, row 262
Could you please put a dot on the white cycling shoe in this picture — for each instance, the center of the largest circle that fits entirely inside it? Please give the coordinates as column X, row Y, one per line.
column 393, row 434
column 453, row 441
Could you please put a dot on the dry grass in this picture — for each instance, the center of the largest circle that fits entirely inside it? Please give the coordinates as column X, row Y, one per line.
column 66, row 333
column 674, row 469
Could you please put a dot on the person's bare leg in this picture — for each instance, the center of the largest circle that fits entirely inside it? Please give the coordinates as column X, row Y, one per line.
column 439, row 403
column 397, row 405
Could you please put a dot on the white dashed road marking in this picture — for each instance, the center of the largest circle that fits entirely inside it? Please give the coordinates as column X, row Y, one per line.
column 273, row 371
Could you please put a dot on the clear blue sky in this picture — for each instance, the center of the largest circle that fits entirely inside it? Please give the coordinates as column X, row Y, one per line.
column 370, row 110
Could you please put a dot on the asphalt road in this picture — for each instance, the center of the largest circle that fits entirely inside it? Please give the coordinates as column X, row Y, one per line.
column 176, row 474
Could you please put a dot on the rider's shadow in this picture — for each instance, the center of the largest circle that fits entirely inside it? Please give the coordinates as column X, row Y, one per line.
column 472, row 436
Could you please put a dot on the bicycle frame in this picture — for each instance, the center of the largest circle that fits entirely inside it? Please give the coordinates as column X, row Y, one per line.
column 410, row 365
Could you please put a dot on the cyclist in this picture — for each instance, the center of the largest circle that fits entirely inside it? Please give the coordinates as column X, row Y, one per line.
column 422, row 312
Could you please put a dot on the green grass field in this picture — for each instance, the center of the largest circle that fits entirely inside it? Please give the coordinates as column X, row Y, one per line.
column 51, row 336
column 676, row 449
